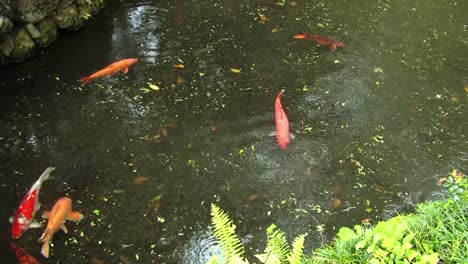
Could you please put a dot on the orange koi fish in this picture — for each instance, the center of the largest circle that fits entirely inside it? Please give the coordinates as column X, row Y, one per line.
column 282, row 123
column 61, row 211
column 110, row 70
column 24, row 214
column 330, row 42
column 22, row 256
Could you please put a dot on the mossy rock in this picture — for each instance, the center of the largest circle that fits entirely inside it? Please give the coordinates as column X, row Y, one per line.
column 33, row 11
column 92, row 5
column 67, row 17
column 24, row 46
column 6, row 44
column 48, row 32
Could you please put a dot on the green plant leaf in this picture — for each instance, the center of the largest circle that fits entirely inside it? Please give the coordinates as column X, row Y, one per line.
column 346, row 234
column 296, row 254
column 224, row 230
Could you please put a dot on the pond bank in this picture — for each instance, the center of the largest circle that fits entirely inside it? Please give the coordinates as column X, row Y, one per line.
column 26, row 25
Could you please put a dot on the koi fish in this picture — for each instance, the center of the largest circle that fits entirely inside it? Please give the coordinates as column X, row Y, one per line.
column 24, row 214
column 22, row 256
column 282, row 123
column 330, row 42
column 121, row 65
column 61, row 211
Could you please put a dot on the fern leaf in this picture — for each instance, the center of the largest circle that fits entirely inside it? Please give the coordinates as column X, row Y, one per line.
column 277, row 247
column 296, row 255
column 224, row 230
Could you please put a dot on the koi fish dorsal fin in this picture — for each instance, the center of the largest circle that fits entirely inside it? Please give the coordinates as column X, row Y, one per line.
column 75, row 217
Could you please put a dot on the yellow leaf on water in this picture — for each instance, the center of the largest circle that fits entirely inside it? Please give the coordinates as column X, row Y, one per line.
column 153, row 87
column 234, row 70
column 179, row 66
column 276, row 29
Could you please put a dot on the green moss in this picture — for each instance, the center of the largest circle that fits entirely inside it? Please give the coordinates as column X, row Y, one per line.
column 48, row 32
column 24, row 46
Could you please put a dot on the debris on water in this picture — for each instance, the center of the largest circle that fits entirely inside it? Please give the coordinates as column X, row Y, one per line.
column 366, row 221
column 335, row 202
column 140, row 180
column 95, row 260
column 455, row 99
column 213, row 129
column 253, row 197
column 235, row 70
column 308, row 171
column 262, row 19
column 179, row 66
column 118, row 191
column 156, row 203
column 124, row 259
column 180, row 80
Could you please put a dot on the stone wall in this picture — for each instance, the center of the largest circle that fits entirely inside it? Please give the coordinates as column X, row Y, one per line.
column 26, row 25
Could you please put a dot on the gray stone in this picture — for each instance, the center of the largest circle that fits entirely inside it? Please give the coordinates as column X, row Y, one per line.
column 33, row 31
column 48, row 32
column 67, row 17
column 33, row 11
column 6, row 44
column 24, row 46
column 5, row 24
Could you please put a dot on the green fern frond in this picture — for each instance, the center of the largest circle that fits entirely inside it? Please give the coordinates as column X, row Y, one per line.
column 277, row 247
column 296, row 255
column 224, row 230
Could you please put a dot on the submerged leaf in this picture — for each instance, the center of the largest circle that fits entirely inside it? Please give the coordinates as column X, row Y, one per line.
column 235, row 70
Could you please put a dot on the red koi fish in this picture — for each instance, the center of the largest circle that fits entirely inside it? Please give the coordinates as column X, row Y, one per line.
column 23, row 256
column 330, row 42
column 282, row 123
column 24, row 214
column 110, row 70
column 61, row 211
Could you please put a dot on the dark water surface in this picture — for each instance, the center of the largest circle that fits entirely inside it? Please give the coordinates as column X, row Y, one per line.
column 376, row 123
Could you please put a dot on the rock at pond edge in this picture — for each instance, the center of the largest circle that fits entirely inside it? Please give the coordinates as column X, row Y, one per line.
column 48, row 31
column 24, row 46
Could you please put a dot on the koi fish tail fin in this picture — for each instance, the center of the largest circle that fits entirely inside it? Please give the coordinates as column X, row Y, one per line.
column 45, row 249
column 302, row 35
column 46, row 174
column 85, row 80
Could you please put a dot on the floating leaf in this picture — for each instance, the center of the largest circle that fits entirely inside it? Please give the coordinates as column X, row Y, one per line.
column 140, row 179
column 153, row 87
column 96, row 212
column 274, row 30
column 179, row 66
column 263, row 19
column 234, row 70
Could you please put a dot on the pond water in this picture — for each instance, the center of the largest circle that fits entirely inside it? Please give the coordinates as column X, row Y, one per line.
column 376, row 123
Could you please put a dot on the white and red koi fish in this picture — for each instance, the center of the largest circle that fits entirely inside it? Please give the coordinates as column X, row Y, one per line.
column 282, row 123
column 24, row 214
column 61, row 211
column 121, row 65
